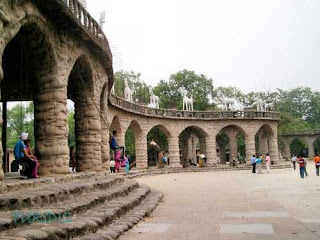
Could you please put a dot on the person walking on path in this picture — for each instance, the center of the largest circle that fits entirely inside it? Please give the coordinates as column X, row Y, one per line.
column 253, row 163
column 268, row 162
column 294, row 161
column 258, row 162
column 302, row 166
column 316, row 160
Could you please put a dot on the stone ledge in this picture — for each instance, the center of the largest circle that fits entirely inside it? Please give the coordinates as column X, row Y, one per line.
column 53, row 193
column 168, row 170
column 88, row 222
column 126, row 222
column 16, row 184
column 83, row 203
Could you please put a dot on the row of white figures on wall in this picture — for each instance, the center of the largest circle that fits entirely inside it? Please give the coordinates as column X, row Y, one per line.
column 235, row 105
column 226, row 103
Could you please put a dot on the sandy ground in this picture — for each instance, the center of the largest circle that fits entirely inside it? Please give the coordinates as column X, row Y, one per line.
column 233, row 205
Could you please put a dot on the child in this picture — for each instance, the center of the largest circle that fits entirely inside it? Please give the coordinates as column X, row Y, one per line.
column 112, row 166
column 127, row 165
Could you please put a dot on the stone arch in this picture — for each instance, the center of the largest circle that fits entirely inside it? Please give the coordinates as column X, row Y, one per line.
column 139, row 146
column 104, row 98
column 262, row 139
column 30, row 48
column 36, row 26
column 116, row 125
column 87, row 116
column 161, row 135
column 227, row 139
column 192, row 142
column 163, row 128
column 317, row 145
column 105, row 148
column 299, row 146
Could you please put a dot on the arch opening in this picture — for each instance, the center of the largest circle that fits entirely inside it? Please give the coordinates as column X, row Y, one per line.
column 159, row 135
column 299, row 147
column 80, row 92
column 231, row 146
column 21, row 82
column 262, row 140
column 192, row 143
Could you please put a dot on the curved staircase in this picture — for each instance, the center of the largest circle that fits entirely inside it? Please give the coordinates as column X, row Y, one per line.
column 101, row 207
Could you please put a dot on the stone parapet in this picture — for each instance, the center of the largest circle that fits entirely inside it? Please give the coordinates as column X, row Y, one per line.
column 180, row 114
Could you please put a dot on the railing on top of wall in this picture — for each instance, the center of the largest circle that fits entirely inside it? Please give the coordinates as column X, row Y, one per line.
column 179, row 114
column 86, row 20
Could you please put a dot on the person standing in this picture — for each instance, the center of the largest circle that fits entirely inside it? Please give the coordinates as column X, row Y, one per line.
column 127, row 168
column 258, row 162
column 268, row 162
column 112, row 166
column 316, row 160
column 301, row 163
column 294, row 161
column 253, row 163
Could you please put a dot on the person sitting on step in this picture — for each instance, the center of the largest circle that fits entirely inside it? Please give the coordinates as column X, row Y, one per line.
column 23, row 158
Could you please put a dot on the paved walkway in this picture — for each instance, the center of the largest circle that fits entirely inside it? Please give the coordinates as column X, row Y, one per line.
column 233, row 205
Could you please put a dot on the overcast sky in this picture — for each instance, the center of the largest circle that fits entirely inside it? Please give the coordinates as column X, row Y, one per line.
column 251, row 44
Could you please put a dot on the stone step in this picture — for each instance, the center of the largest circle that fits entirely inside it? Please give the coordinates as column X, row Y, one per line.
column 54, row 193
column 12, row 219
column 126, row 222
column 83, row 223
column 13, row 182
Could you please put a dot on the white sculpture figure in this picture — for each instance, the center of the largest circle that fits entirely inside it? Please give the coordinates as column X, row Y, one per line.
column 187, row 102
column 260, row 105
column 84, row 3
column 112, row 89
column 154, row 100
column 102, row 19
column 127, row 92
column 270, row 106
column 238, row 106
column 229, row 103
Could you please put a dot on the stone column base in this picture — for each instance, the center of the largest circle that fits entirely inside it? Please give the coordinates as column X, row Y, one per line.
column 175, row 165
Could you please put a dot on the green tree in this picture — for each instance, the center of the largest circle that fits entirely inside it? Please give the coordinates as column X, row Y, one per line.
column 199, row 87
column 140, row 88
column 20, row 119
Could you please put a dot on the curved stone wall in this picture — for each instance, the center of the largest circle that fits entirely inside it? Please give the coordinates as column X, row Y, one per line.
column 53, row 58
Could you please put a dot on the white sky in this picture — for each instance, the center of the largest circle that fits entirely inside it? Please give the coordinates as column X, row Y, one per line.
column 251, row 44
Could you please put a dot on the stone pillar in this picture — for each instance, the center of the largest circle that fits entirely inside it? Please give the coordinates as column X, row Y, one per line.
column 1, row 155
column 51, row 127
column 263, row 144
column 273, row 146
column 141, row 151
column 250, row 146
column 121, row 138
column 211, row 152
column 203, row 146
column 88, row 134
column 189, row 145
column 105, row 146
column 287, row 153
column 233, row 144
column 174, row 151
column 311, row 151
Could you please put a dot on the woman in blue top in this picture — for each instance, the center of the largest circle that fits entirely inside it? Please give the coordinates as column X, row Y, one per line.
column 258, row 162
